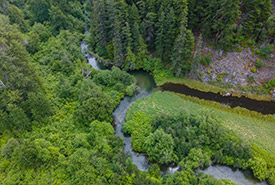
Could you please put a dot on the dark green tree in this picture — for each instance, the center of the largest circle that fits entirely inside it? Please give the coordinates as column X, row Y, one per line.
column 39, row 10
column 159, row 147
column 22, row 98
column 255, row 16
column 182, row 52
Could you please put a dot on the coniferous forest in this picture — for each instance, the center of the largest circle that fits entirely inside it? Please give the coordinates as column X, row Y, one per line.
column 56, row 111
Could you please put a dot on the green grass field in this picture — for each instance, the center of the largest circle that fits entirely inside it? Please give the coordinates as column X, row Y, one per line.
column 255, row 130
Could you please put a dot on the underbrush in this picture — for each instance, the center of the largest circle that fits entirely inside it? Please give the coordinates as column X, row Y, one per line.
column 257, row 130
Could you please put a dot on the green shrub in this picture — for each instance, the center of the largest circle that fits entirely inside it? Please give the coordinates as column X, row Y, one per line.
column 251, row 79
column 264, row 52
column 259, row 63
column 271, row 83
column 201, row 73
column 253, row 69
column 206, row 61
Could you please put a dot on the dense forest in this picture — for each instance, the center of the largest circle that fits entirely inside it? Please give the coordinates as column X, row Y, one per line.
column 56, row 124
column 126, row 31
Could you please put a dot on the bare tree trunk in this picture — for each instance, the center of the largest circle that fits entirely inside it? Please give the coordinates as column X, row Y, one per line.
column 88, row 74
column 2, row 84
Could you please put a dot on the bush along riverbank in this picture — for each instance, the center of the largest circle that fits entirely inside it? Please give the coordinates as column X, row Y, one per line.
column 163, row 75
column 171, row 129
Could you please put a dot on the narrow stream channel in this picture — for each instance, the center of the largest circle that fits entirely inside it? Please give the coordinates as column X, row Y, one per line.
column 147, row 87
column 264, row 107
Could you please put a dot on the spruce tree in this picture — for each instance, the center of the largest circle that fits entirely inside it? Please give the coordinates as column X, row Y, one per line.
column 219, row 20
column 118, row 45
column 99, row 24
column 255, row 15
column 182, row 52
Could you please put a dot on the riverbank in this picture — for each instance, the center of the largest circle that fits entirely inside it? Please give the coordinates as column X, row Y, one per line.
column 205, row 87
column 163, row 75
column 258, row 132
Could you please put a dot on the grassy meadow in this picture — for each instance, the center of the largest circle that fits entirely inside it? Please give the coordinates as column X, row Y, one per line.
column 257, row 129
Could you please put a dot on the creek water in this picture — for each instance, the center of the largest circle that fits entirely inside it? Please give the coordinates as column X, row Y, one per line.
column 237, row 176
column 146, row 87
column 264, row 107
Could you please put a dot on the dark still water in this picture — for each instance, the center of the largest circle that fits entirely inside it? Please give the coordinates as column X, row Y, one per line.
column 264, row 107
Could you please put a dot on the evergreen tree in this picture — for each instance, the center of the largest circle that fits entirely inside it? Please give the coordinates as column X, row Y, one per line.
column 22, row 99
column 182, row 52
column 134, row 21
column 59, row 20
column 255, row 15
column 99, row 28
column 219, row 20
column 160, row 34
column 118, row 46
column 183, row 47
column 39, row 10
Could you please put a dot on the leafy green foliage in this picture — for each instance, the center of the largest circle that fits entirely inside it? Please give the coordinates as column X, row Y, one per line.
column 271, row 83
column 259, row 63
column 55, row 111
column 94, row 105
column 22, row 97
column 195, row 159
column 206, row 61
column 159, row 147
column 259, row 168
column 115, row 79
column 139, row 127
column 264, row 52
column 61, row 53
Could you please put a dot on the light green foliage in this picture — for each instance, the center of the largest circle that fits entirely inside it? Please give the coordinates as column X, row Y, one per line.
column 155, row 66
column 139, row 127
column 61, row 142
column 259, row 168
column 155, row 174
column 115, row 80
column 56, row 111
column 209, row 179
column 4, row 20
column 182, row 177
column 17, row 16
column 196, row 159
column 101, row 129
column 159, row 147
column 271, row 83
column 253, row 69
column 94, row 105
column 206, row 60
column 199, row 130
column 61, row 53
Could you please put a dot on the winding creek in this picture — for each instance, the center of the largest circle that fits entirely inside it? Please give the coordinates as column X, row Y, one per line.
column 147, row 87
